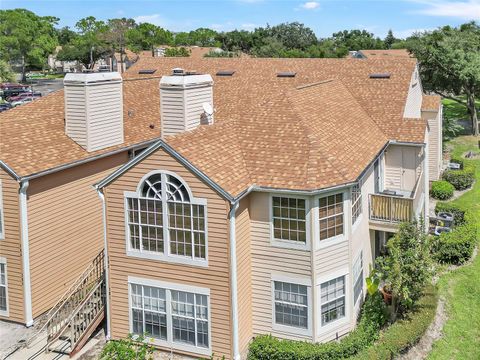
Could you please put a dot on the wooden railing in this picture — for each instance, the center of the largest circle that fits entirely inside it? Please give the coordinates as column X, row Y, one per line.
column 60, row 314
column 390, row 208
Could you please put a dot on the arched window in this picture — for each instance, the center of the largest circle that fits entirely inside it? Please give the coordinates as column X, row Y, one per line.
column 164, row 218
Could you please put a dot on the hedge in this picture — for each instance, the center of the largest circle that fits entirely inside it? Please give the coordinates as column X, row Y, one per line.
column 458, row 213
column 457, row 246
column 441, row 190
column 404, row 333
column 267, row 347
column 460, row 179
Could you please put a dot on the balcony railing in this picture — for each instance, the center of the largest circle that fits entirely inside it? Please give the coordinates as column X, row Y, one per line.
column 395, row 208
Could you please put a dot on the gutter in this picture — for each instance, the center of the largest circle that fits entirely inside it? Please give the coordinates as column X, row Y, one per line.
column 233, row 280
column 101, row 195
column 27, row 289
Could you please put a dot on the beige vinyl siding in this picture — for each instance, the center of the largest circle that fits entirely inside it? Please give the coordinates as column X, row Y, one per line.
column 413, row 104
column 194, row 99
column 402, row 167
column 266, row 260
column 172, row 111
column 11, row 248
column 434, row 143
column 65, row 227
column 75, row 112
column 244, row 276
column 105, row 115
column 215, row 277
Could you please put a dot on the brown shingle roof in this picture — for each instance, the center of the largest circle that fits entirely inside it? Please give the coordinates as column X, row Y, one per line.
column 431, row 102
column 387, row 53
column 268, row 131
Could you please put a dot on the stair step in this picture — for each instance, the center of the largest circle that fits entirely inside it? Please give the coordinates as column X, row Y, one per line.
column 62, row 345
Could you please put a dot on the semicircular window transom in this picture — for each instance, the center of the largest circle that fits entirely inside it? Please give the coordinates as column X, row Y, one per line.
column 174, row 189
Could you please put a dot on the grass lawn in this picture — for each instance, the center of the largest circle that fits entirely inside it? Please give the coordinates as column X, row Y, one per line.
column 461, row 288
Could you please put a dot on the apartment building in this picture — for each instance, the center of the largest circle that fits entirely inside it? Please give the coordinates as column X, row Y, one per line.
column 263, row 190
column 265, row 218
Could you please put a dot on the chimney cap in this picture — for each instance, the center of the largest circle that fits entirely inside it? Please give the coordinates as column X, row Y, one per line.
column 87, row 78
column 185, row 81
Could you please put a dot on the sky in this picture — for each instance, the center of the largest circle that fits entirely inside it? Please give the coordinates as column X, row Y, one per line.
column 324, row 16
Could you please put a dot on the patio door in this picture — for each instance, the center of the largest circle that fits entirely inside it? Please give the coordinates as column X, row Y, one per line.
column 409, row 168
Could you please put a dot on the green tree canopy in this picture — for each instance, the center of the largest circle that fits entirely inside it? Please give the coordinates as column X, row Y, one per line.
column 89, row 45
column 27, row 38
column 355, row 40
column 146, row 36
column 449, row 60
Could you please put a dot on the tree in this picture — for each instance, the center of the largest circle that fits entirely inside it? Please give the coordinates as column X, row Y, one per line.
column 389, row 39
column 290, row 35
column 355, row 40
column 116, row 37
column 65, row 35
column 27, row 38
column 146, row 36
column 449, row 61
column 6, row 73
column 177, row 52
column 89, row 45
column 406, row 269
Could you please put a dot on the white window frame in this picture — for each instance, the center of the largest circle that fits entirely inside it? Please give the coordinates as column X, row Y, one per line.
column 168, row 286
column 290, row 244
column 2, row 214
column 166, row 256
column 320, row 244
column 360, row 199
column 323, row 329
column 301, row 280
column 6, row 311
column 359, row 258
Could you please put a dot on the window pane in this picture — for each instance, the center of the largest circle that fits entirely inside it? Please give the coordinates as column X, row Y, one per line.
column 288, row 218
column 332, row 297
column 291, row 304
column 331, row 216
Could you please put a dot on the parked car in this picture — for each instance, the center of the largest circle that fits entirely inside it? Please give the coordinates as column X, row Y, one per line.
column 24, row 96
column 12, row 89
column 22, row 101
column 5, row 106
column 103, row 68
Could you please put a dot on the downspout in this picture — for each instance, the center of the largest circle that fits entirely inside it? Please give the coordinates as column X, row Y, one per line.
column 101, row 195
column 426, row 189
column 27, row 288
column 233, row 280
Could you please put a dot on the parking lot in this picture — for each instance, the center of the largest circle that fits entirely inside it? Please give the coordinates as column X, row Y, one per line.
column 46, row 86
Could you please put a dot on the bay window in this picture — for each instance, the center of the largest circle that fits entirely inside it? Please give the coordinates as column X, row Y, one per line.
column 358, row 278
column 330, row 214
column 289, row 219
column 163, row 218
column 332, row 300
column 356, row 202
column 291, row 304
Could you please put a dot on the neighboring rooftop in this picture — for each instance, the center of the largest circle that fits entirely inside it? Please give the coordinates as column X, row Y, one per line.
column 304, row 132
column 431, row 102
column 403, row 53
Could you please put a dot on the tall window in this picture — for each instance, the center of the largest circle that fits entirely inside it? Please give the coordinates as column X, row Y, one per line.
column 164, row 219
column 356, row 201
column 3, row 286
column 330, row 213
column 332, row 297
column 170, row 315
column 358, row 278
column 289, row 221
column 291, row 304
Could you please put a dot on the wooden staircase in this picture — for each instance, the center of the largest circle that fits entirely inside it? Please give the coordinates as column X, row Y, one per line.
column 76, row 315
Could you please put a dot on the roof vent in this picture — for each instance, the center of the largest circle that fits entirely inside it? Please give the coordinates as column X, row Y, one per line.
column 94, row 109
column 185, row 102
column 178, row 71
column 286, row 74
column 380, row 76
column 225, row 73
column 147, row 71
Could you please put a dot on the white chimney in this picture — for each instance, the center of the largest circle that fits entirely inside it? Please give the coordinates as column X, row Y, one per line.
column 94, row 109
column 185, row 101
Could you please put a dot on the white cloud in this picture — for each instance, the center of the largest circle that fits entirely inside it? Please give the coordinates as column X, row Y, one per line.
column 155, row 19
column 466, row 10
column 403, row 34
column 311, row 5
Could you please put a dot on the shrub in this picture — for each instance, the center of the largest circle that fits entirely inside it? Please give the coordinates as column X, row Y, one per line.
column 126, row 349
column 372, row 319
column 441, row 190
column 460, row 179
column 458, row 213
column 406, row 332
column 457, row 161
column 406, row 269
column 457, row 246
